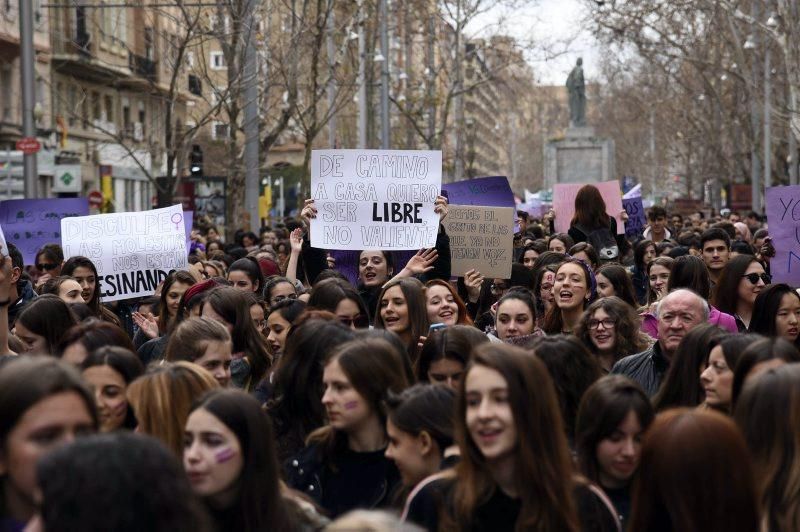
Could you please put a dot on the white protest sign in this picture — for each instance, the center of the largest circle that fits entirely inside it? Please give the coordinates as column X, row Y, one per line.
column 133, row 251
column 375, row 199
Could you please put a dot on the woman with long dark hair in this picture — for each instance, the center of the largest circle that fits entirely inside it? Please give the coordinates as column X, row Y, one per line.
column 573, row 290
column 613, row 416
column 339, row 296
column 230, row 307
column 695, row 474
column 643, row 253
column 445, row 354
column 84, row 271
column 773, row 443
column 420, row 429
column 42, row 323
column 245, row 275
column 344, row 466
column 740, row 282
column 109, row 370
column 776, row 312
column 717, row 377
column 402, row 309
column 296, row 405
column 44, row 404
column 229, row 457
column 614, row 280
column 515, row 471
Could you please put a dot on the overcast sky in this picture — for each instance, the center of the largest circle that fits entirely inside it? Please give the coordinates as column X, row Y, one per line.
column 548, row 21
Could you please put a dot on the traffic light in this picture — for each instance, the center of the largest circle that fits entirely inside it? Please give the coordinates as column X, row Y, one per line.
column 196, row 161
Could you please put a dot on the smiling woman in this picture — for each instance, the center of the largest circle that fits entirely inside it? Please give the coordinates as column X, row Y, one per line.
column 402, row 310
column 515, row 465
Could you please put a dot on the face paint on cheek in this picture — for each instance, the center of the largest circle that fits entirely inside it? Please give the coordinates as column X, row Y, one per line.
column 351, row 405
column 224, row 455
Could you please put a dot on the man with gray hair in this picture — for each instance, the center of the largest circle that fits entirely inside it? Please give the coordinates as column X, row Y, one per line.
column 678, row 313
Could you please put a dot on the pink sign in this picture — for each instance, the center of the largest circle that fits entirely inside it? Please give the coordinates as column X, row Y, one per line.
column 564, row 202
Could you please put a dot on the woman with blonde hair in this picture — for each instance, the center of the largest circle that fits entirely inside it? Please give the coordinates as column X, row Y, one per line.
column 162, row 399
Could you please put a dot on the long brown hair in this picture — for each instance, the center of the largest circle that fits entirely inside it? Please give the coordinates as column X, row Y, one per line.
column 374, row 369
column 543, row 467
column 768, row 412
column 414, row 292
column 695, row 474
column 590, row 209
column 463, row 315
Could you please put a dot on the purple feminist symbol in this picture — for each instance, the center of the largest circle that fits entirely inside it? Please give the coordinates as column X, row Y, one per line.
column 178, row 221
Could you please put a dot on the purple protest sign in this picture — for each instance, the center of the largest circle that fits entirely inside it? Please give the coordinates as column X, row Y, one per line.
column 783, row 213
column 484, row 191
column 636, row 218
column 347, row 264
column 29, row 224
column 188, row 221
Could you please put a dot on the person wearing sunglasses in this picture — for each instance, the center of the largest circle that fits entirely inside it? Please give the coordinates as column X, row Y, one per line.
column 740, row 282
column 49, row 260
column 340, row 297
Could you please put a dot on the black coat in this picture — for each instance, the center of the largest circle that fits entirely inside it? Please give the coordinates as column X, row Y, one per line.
column 647, row 368
column 345, row 481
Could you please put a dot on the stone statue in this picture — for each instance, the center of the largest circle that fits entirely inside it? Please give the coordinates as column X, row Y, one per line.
column 577, row 96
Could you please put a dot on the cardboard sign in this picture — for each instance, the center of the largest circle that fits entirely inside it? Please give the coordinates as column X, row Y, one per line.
column 375, row 199
column 481, row 238
column 636, row 218
column 564, row 202
column 783, row 213
column 492, row 191
column 132, row 251
column 29, row 224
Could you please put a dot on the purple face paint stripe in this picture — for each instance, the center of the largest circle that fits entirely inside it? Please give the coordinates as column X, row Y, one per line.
column 351, row 405
column 224, row 455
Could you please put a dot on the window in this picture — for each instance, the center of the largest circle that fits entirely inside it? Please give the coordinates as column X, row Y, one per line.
column 190, row 59
column 217, row 61
column 126, row 116
column 96, row 106
column 108, row 108
column 5, row 90
column 219, row 130
column 72, row 104
column 149, row 41
column 195, row 85
column 141, row 118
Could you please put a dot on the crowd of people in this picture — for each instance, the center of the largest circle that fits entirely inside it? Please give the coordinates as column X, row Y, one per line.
column 610, row 383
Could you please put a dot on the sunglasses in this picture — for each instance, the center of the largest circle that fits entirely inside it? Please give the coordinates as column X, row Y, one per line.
column 47, row 267
column 754, row 277
column 359, row 322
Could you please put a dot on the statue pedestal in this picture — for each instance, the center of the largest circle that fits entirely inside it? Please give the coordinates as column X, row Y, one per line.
column 579, row 157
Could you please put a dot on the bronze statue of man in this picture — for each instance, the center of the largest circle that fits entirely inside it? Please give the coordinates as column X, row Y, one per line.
column 577, row 96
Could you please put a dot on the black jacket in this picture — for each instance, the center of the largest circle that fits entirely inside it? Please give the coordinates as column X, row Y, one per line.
column 347, row 481
column 647, row 368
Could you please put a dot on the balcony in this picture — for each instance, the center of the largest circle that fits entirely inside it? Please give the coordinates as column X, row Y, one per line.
column 143, row 67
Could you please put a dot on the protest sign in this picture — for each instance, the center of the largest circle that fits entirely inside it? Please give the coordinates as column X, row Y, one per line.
column 481, row 238
column 783, row 213
column 564, row 202
column 133, row 251
column 29, row 224
column 492, row 191
column 636, row 218
column 375, row 199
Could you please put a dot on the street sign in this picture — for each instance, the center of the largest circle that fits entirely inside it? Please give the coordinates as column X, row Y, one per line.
column 67, row 178
column 95, row 199
column 28, row 145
